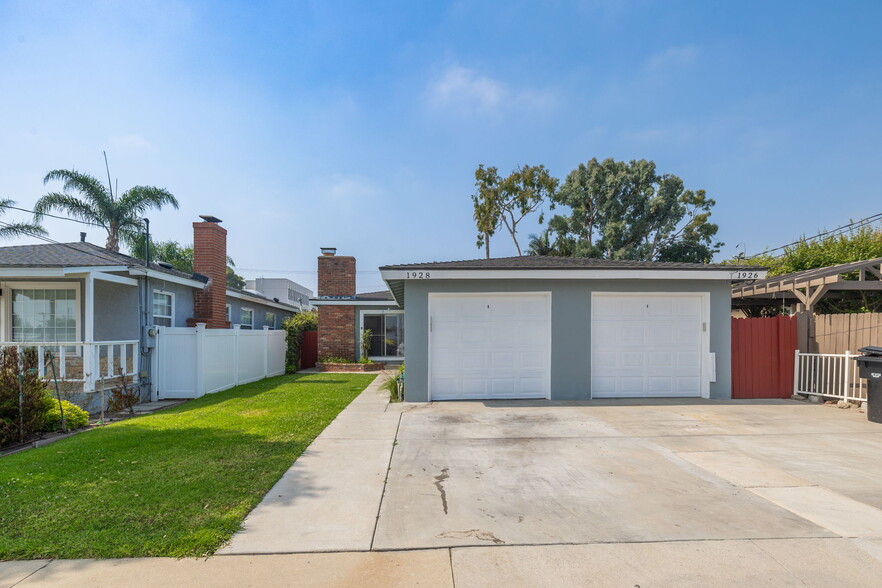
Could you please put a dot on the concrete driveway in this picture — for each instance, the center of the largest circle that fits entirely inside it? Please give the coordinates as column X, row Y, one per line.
column 516, row 476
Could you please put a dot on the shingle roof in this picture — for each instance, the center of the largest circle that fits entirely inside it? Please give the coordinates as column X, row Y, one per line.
column 77, row 254
column 259, row 297
column 531, row 262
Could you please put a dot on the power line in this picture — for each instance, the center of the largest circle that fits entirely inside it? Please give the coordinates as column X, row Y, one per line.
column 67, row 218
column 832, row 233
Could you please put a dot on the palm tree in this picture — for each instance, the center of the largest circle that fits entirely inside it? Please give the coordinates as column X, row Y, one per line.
column 13, row 230
column 119, row 214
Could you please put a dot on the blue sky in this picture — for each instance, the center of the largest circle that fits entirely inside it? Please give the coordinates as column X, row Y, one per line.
column 359, row 125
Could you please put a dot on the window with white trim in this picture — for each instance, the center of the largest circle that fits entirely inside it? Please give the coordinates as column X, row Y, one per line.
column 246, row 320
column 229, row 312
column 42, row 313
column 270, row 320
column 163, row 308
column 387, row 334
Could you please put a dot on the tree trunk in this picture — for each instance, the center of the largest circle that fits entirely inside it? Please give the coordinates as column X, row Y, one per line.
column 487, row 244
column 112, row 241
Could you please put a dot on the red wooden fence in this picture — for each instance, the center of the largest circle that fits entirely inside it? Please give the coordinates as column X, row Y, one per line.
column 762, row 357
column 309, row 349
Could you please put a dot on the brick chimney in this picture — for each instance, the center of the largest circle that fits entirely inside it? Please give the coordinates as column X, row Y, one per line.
column 336, row 324
column 210, row 260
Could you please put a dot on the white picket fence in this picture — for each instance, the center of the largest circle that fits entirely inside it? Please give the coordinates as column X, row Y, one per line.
column 192, row 361
column 829, row 375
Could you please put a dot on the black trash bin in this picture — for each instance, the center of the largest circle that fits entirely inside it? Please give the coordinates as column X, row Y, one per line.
column 870, row 368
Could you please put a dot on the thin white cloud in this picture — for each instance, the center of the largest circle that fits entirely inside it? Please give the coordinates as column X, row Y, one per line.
column 467, row 91
column 459, row 86
column 676, row 57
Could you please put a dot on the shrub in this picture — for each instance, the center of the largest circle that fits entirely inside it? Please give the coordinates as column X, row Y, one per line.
column 395, row 385
column 366, row 344
column 22, row 410
column 294, row 327
column 74, row 416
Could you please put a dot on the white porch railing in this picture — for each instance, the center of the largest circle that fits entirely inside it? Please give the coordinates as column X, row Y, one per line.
column 828, row 374
column 89, row 363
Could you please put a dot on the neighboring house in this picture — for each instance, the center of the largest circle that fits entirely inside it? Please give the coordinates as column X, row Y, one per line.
column 71, row 297
column 345, row 315
column 548, row 327
column 282, row 290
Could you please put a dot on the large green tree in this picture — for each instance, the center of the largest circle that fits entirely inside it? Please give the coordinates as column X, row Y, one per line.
column 627, row 210
column 507, row 201
column 17, row 229
column 180, row 257
column 855, row 245
column 85, row 198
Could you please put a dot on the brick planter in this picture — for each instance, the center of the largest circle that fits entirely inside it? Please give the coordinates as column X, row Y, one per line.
column 349, row 367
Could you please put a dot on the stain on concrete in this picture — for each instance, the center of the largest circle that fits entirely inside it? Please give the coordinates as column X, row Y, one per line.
column 474, row 534
column 439, row 484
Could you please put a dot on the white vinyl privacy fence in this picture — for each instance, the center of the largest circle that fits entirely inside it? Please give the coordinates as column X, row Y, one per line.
column 192, row 361
column 830, row 375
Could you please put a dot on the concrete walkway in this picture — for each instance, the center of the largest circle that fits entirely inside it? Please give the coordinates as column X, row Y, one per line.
column 330, row 498
column 755, row 563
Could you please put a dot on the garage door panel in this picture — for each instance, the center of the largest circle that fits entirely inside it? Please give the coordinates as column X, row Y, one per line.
column 503, row 360
column 497, row 348
column 532, row 360
column 631, row 309
column 660, row 359
column 652, row 348
column 631, row 385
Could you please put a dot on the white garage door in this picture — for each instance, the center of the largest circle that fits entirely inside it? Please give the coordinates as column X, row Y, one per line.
column 645, row 345
column 484, row 346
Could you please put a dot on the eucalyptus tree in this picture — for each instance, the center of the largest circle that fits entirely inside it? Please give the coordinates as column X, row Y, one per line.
column 627, row 210
column 85, row 198
column 508, row 201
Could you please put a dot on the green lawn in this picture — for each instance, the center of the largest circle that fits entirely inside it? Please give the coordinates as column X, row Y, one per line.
column 175, row 483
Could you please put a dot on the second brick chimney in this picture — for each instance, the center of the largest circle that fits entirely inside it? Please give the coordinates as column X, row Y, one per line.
column 336, row 324
column 210, row 260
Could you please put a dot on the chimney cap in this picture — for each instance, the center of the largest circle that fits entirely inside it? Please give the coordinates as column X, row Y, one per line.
column 210, row 219
column 329, row 250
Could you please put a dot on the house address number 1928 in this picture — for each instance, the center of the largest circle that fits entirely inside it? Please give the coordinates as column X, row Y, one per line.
column 418, row 275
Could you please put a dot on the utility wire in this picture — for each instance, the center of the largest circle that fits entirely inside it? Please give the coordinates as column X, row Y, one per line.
column 831, row 233
column 67, row 218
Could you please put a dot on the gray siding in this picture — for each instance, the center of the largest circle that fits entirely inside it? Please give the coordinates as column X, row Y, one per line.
column 183, row 300
column 570, row 327
column 260, row 310
column 116, row 312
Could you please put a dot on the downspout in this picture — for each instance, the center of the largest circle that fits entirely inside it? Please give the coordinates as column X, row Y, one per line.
column 145, row 375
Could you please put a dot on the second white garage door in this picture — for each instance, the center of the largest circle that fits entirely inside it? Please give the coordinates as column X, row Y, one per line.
column 647, row 345
column 485, row 346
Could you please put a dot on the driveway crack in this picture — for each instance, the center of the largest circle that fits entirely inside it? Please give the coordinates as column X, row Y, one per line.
column 385, row 482
column 439, row 484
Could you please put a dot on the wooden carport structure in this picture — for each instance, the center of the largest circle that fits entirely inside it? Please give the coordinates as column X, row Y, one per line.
column 803, row 290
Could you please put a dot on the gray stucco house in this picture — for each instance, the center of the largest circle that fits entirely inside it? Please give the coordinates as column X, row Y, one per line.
column 566, row 328
column 71, row 297
column 544, row 327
